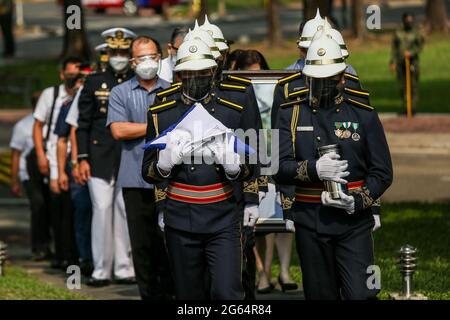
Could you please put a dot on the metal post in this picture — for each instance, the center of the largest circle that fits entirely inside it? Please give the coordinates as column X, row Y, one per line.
column 408, row 87
column 407, row 264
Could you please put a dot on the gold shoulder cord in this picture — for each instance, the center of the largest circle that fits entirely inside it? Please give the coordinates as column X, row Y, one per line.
column 294, row 121
column 155, row 123
column 286, row 90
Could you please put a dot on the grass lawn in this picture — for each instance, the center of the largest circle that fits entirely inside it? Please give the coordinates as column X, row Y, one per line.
column 426, row 227
column 17, row 284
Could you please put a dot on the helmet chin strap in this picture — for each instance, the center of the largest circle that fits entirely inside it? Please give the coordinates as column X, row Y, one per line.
column 195, row 100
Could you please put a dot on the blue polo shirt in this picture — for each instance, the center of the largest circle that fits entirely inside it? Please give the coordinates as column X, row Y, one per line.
column 129, row 102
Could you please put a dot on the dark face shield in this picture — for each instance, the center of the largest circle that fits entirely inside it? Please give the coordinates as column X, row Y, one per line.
column 323, row 91
column 197, row 85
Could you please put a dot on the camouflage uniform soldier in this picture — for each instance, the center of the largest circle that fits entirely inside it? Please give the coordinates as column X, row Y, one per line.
column 407, row 42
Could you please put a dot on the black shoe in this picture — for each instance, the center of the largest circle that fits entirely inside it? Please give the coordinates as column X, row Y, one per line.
column 125, row 281
column 67, row 263
column 86, row 268
column 39, row 256
column 92, row 282
column 287, row 286
column 266, row 290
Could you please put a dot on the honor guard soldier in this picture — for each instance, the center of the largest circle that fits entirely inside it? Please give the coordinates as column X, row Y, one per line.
column 333, row 229
column 221, row 43
column 307, row 32
column 232, row 88
column 293, row 86
column 407, row 45
column 99, row 156
column 202, row 218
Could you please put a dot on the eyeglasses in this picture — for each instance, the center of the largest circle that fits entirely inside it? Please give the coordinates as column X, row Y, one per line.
column 141, row 59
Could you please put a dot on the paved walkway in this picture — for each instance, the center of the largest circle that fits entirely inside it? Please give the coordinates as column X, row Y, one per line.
column 14, row 230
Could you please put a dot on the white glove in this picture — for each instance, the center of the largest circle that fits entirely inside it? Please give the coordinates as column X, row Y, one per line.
column 172, row 155
column 223, row 153
column 251, row 215
column 161, row 221
column 330, row 168
column 377, row 225
column 345, row 202
column 290, row 226
column 261, row 195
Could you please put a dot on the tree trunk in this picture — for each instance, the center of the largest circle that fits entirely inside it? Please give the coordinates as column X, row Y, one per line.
column 222, row 8
column 310, row 8
column 344, row 14
column 75, row 40
column 357, row 18
column 203, row 11
column 275, row 36
column 437, row 19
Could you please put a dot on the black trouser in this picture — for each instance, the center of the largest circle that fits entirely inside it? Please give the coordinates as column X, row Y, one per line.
column 38, row 196
column 6, row 24
column 249, row 263
column 191, row 255
column 63, row 227
column 335, row 266
column 150, row 261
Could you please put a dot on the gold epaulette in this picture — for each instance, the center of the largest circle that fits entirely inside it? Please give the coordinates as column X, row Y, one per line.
column 233, row 87
column 358, row 93
column 351, row 76
column 289, row 78
column 163, row 106
column 230, row 104
column 243, row 80
column 171, row 90
column 263, row 181
column 292, row 103
column 359, row 104
column 251, row 186
column 298, row 93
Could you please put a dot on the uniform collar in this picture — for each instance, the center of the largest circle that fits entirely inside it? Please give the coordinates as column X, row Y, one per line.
column 186, row 100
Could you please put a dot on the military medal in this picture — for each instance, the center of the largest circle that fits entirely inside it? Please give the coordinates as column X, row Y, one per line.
column 338, row 131
column 355, row 135
column 346, row 134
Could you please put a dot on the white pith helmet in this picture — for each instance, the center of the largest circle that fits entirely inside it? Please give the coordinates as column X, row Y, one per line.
column 333, row 34
column 324, row 57
column 337, row 36
column 194, row 55
column 216, row 33
column 204, row 36
column 310, row 29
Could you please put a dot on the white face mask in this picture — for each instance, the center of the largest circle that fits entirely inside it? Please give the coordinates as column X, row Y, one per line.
column 118, row 63
column 147, row 70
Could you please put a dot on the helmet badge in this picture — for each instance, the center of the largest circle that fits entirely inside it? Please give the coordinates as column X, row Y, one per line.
column 193, row 49
column 321, row 52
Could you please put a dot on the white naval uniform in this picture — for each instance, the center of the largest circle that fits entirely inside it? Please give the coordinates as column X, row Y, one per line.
column 111, row 249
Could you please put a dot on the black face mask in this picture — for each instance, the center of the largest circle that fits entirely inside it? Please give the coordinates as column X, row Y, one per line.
column 323, row 91
column 198, row 87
